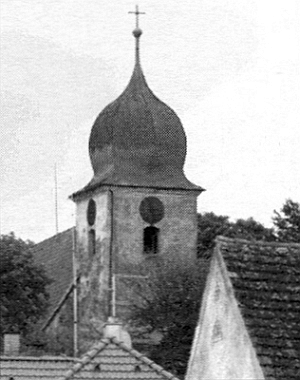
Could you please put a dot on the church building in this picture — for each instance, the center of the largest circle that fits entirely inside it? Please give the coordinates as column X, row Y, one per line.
column 138, row 207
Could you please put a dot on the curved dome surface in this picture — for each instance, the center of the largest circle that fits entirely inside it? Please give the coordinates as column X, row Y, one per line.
column 138, row 140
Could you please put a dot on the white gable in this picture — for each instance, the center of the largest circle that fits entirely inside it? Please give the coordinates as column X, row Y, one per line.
column 222, row 348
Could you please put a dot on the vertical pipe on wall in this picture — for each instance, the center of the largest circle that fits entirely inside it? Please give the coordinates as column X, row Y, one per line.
column 75, row 294
column 111, row 279
column 113, row 296
column 55, row 198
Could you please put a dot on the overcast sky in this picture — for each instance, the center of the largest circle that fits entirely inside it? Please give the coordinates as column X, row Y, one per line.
column 229, row 68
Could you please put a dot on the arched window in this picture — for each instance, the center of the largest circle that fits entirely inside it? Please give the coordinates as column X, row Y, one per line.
column 151, row 240
column 92, row 242
column 91, row 212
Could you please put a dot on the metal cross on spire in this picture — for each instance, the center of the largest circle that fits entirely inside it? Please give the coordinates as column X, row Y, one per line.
column 137, row 13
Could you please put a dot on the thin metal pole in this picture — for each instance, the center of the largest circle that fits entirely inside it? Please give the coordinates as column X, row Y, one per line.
column 56, row 200
column 111, row 312
column 113, row 296
column 75, row 294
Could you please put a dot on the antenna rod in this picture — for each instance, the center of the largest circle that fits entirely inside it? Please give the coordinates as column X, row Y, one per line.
column 56, row 200
column 111, row 278
column 75, row 295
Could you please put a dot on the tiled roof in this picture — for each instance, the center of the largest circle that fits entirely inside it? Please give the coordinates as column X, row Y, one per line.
column 55, row 255
column 32, row 368
column 266, row 281
column 110, row 359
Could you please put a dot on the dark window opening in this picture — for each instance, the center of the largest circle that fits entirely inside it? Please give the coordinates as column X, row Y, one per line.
column 151, row 240
column 92, row 242
column 91, row 212
column 97, row 367
column 152, row 210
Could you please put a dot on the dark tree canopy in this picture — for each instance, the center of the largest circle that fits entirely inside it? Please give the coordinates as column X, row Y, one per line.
column 287, row 222
column 211, row 225
column 250, row 229
column 169, row 302
column 23, row 295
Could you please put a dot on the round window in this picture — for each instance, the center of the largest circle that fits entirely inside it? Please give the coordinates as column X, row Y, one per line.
column 152, row 210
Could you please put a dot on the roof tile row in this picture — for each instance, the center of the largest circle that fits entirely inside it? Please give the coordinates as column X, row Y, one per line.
column 266, row 282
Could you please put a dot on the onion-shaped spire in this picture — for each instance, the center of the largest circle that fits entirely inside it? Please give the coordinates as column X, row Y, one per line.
column 138, row 140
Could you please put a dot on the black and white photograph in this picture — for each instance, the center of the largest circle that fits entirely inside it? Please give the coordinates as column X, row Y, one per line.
column 150, row 190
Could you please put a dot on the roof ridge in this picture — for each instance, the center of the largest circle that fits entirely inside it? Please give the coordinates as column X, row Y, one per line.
column 53, row 236
column 94, row 351
column 86, row 358
column 160, row 370
column 221, row 238
column 39, row 358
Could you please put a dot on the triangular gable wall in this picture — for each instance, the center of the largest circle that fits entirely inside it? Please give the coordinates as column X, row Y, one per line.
column 115, row 360
column 222, row 348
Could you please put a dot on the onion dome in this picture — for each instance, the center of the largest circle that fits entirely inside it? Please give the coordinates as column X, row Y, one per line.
column 138, row 140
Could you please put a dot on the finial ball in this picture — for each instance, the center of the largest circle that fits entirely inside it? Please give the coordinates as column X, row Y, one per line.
column 137, row 32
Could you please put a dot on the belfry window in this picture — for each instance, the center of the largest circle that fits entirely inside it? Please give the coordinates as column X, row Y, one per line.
column 91, row 212
column 92, row 242
column 151, row 234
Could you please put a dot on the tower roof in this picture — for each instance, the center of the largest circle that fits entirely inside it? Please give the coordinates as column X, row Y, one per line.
column 137, row 140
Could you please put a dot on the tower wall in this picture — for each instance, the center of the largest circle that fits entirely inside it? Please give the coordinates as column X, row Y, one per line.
column 177, row 229
column 93, row 268
column 119, row 247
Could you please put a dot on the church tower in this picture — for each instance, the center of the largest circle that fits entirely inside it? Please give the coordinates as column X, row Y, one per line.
column 139, row 205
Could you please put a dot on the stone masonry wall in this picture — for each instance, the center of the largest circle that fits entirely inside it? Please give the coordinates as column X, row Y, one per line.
column 93, row 269
column 178, row 228
column 177, row 236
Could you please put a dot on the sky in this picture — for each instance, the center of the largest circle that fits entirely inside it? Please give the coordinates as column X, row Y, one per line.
column 229, row 69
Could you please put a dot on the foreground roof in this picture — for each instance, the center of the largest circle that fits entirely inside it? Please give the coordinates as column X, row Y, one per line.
column 110, row 359
column 266, row 281
column 55, row 255
column 29, row 368
column 114, row 359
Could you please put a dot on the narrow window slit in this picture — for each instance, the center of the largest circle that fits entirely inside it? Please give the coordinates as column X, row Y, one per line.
column 151, row 240
column 92, row 242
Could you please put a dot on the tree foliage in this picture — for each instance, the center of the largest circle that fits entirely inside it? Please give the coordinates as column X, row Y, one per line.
column 211, row 225
column 287, row 222
column 169, row 302
column 23, row 295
